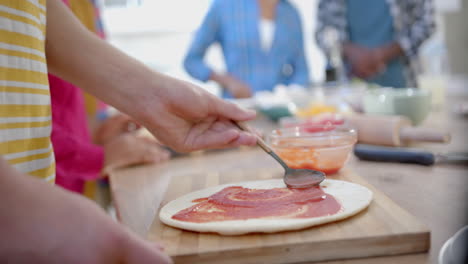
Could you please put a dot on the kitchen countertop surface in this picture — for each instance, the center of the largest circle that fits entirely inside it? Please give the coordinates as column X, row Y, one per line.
column 435, row 195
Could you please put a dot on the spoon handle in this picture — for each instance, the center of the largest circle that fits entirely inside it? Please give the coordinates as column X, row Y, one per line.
column 262, row 144
column 260, row 141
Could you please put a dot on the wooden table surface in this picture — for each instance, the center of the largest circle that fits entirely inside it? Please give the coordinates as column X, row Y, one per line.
column 436, row 195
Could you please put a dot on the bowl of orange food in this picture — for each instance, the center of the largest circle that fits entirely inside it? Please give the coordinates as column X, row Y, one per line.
column 324, row 147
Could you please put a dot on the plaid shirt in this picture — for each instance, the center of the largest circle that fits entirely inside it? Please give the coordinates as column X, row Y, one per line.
column 234, row 25
column 413, row 23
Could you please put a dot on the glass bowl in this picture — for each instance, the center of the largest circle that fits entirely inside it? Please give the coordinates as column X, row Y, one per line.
column 322, row 147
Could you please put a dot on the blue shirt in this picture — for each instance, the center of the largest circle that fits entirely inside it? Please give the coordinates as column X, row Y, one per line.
column 234, row 25
column 370, row 24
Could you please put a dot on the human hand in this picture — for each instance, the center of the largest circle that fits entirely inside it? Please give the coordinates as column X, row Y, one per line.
column 187, row 118
column 365, row 62
column 41, row 223
column 113, row 127
column 237, row 88
column 128, row 149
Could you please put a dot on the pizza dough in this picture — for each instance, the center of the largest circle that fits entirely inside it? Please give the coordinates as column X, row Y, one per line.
column 352, row 197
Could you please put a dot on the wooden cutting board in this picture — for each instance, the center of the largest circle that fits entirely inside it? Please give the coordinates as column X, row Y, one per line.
column 382, row 229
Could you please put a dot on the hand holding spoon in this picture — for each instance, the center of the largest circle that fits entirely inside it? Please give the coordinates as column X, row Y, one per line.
column 293, row 178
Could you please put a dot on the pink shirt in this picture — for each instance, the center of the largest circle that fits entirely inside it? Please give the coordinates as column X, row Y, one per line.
column 77, row 158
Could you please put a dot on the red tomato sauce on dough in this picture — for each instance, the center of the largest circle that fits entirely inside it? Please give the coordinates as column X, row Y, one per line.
column 238, row 203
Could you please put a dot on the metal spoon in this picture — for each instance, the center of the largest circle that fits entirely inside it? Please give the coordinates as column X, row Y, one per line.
column 293, row 178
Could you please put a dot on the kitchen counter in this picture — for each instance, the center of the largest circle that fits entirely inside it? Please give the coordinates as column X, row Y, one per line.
column 435, row 195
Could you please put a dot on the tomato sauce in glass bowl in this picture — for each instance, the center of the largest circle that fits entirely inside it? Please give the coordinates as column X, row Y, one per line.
column 323, row 147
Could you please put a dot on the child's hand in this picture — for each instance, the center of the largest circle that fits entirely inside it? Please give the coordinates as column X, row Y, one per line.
column 128, row 149
column 114, row 127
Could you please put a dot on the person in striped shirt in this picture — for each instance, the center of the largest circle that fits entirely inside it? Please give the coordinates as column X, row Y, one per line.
column 40, row 223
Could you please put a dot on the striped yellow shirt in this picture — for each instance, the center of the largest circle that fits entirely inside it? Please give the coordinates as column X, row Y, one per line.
column 25, row 114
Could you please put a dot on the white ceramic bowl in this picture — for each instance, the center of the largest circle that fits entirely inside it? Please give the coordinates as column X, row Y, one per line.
column 412, row 103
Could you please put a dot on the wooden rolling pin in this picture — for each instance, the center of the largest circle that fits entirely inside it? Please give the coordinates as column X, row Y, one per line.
column 393, row 130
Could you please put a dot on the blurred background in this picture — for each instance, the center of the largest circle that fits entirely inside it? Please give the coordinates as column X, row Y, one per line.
column 159, row 32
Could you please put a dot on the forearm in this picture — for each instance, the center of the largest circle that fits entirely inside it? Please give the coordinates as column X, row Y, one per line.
column 218, row 78
column 384, row 53
column 9, row 187
column 205, row 36
column 13, row 186
column 16, row 193
column 194, row 64
column 7, row 179
column 390, row 51
column 78, row 56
